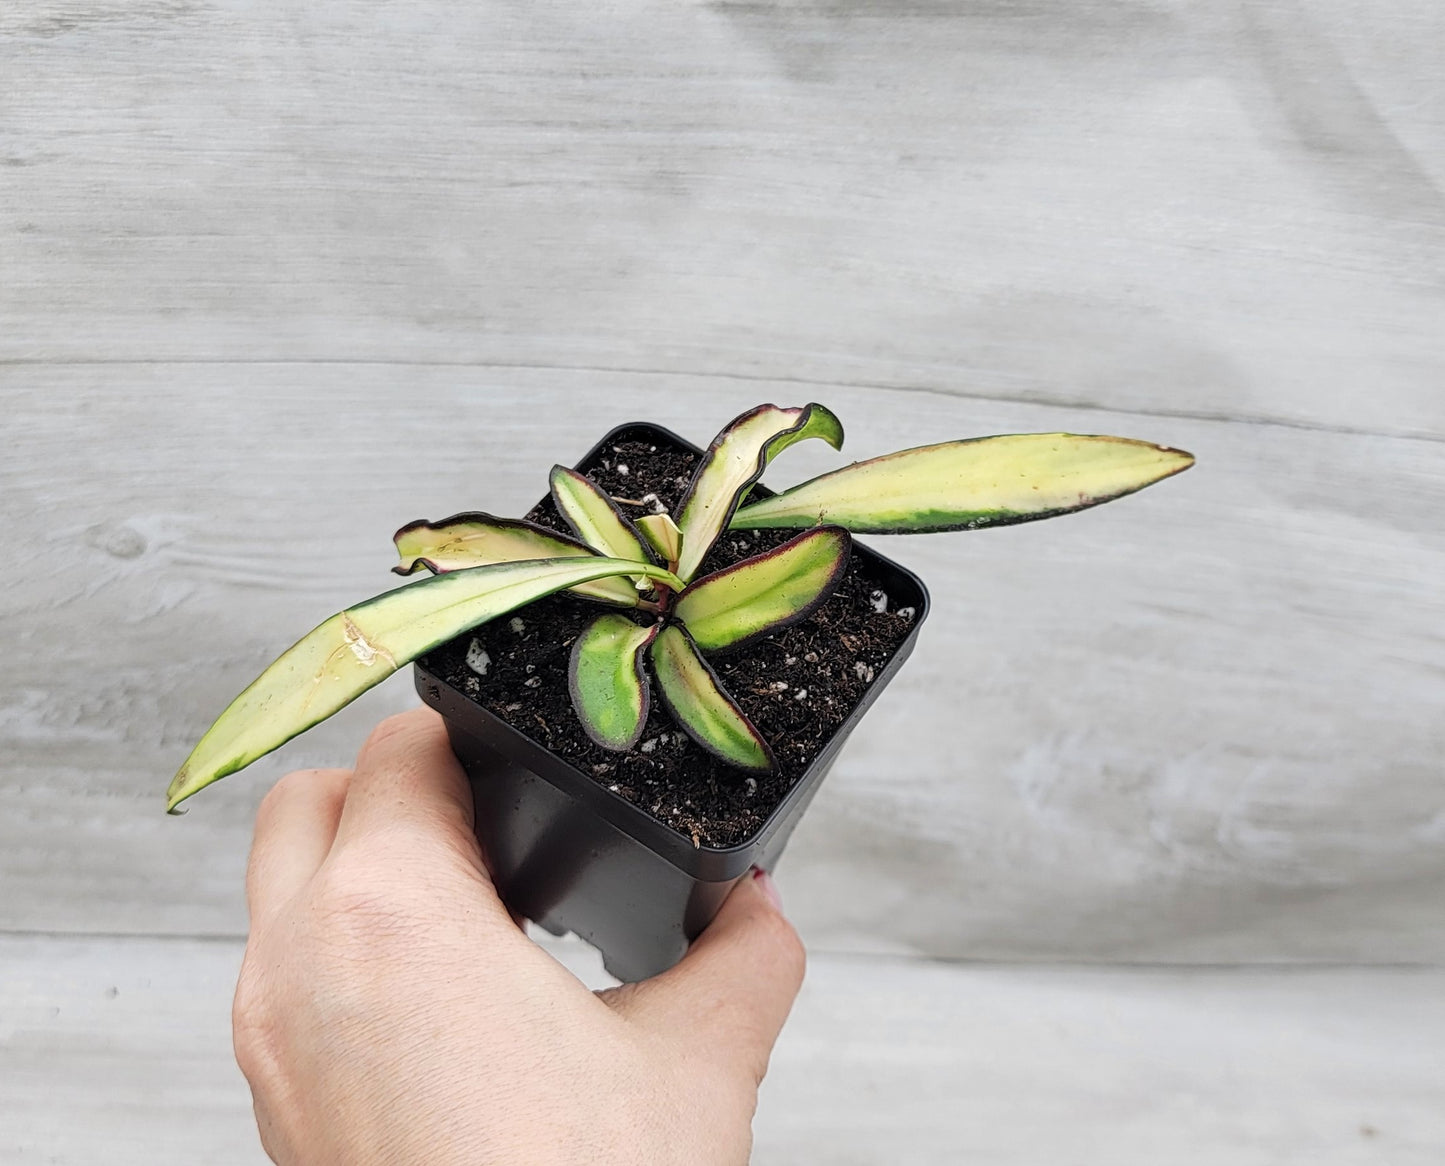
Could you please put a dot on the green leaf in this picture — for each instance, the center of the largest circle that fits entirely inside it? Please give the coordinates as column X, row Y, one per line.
column 733, row 463
column 608, row 681
column 595, row 517
column 662, row 533
column 766, row 592
column 475, row 539
column 691, row 691
column 963, row 485
column 358, row 648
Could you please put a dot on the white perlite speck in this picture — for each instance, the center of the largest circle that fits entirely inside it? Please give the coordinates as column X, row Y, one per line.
column 879, row 600
column 533, row 682
column 801, row 694
column 477, row 659
column 865, row 671
column 904, row 613
column 622, row 469
column 517, row 625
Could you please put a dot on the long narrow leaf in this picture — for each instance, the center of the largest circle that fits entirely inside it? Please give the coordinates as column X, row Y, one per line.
column 595, row 517
column 475, row 539
column 767, row 592
column 696, row 699
column 964, row 485
column 358, row 648
column 608, row 681
column 733, row 463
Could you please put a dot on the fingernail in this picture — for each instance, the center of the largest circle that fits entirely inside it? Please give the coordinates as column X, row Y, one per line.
column 769, row 888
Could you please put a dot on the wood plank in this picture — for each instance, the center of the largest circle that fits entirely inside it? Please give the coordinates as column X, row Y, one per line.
column 901, row 1062
column 1213, row 210
column 1197, row 725
column 118, row 1051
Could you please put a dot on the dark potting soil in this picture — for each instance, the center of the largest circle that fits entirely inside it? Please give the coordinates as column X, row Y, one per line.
column 797, row 685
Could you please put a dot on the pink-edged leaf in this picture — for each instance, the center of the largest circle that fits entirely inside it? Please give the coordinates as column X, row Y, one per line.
column 965, row 485
column 698, row 703
column 475, row 539
column 769, row 591
column 595, row 517
column 608, row 681
column 355, row 649
column 732, row 464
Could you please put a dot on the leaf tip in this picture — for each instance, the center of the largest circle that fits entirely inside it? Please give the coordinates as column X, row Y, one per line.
column 770, row 761
column 830, row 428
column 1175, row 461
column 177, row 792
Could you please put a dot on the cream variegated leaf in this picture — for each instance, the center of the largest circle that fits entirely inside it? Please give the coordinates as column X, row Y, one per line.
column 358, row 648
column 663, row 534
column 698, row 703
column 766, row 592
column 965, row 485
column 475, row 540
column 595, row 517
column 733, row 463
column 607, row 679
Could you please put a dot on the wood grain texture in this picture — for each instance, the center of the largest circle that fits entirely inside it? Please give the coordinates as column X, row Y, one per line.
column 1199, row 724
column 1228, row 209
column 118, row 1051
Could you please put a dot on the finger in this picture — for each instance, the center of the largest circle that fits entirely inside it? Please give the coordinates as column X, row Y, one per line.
column 407, row 777
column 295, row 827
column 733, row 989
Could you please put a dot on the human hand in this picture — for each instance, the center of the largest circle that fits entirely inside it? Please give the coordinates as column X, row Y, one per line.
column 390, row 1010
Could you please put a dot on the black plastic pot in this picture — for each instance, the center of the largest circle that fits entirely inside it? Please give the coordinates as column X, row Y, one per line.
column 571, row 855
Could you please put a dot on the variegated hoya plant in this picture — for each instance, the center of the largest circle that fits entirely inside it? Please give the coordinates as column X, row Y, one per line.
column 665, row 619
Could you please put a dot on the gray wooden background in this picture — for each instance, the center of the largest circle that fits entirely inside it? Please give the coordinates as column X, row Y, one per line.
column 276, row 278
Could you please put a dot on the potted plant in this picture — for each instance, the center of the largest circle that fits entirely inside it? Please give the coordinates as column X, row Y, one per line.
column 647, row 677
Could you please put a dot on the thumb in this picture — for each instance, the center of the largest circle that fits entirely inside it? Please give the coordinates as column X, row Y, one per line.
column 734, row 987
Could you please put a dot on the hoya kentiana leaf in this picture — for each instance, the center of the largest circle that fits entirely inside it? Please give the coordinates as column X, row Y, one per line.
column 595, row 517
column 816, row 421
column 358, row 648
column 766, row 592
column 963, row 485
column 662, row 533
column 476, row 539
column 733, row 463
column 608, row 681
column 691, row 691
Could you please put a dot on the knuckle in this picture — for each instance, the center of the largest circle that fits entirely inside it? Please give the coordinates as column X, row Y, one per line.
column 358, row 902
column 785, row 945
column 273, row 804
column 254, row 1031
column 290, row 790
column 394, row 726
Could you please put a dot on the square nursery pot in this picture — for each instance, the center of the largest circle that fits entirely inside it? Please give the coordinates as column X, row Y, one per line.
column 571, row 855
